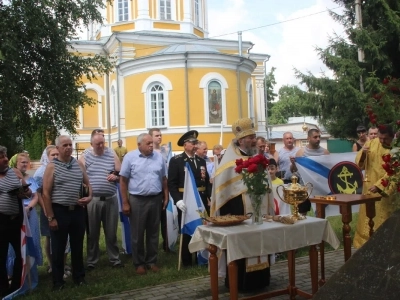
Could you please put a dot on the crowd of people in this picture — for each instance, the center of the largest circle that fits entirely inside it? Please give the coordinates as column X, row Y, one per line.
column 79, row 197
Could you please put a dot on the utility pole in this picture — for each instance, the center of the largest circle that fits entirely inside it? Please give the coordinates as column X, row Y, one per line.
column 265, row 96
column 361, row 55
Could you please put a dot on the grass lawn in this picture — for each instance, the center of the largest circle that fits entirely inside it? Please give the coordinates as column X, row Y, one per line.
column 106, row 280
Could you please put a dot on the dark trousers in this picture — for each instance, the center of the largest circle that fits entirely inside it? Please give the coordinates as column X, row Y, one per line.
column 10, row 233
column 164, row 234
column 145, row 228
column 72, row 223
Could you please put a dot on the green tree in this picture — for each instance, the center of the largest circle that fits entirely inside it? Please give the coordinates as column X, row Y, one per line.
column 269, row 85
column 291, row 103
column 41, row 81
column 338, row 101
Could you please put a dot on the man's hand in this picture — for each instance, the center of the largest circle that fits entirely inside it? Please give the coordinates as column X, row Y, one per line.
column 181, row 205
column 165, row 203
column 84, row 201
column 126, row 208
column 112, row 178
column 53, row 225
column 365, row 149
column 374, row 189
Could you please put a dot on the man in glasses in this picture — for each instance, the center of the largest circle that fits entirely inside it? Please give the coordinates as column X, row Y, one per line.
column 362, row 138
column 176, row 181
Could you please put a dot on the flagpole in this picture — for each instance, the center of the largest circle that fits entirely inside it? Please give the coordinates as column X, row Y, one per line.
column 180, row 242
column 220, row 137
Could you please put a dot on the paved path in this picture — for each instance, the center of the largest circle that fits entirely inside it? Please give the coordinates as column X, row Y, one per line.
column 199, row 288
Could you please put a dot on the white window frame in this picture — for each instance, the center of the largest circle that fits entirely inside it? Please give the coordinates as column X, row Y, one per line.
column 204, row 82
column 165, row 83
column 117, row 10
column 197, row 13
column 250, row 100
column 164, row 4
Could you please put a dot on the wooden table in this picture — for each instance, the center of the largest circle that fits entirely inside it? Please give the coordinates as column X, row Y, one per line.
column 255, row 240
column 345, row 202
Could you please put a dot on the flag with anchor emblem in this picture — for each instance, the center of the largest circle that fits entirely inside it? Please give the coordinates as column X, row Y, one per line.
column 331, row 174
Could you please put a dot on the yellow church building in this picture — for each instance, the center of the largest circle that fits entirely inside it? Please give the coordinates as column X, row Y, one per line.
column 168, row 74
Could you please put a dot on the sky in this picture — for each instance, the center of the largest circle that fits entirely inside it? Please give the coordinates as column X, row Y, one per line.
column 291, row 43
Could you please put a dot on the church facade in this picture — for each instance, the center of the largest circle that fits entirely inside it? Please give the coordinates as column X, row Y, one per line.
column 168, row 74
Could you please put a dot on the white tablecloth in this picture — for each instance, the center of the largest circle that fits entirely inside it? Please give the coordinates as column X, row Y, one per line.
column 247, row 240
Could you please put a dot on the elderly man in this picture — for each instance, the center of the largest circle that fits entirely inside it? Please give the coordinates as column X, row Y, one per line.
column 120, row 150
column 11, row 217
column 102, row 167
column 285, row 156
column 229, row 197
column 143, row 174
column 176, row 181
column 370, row 160
column 64, row 206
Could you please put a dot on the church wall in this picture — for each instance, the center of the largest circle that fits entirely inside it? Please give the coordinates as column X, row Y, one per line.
column 90, row 113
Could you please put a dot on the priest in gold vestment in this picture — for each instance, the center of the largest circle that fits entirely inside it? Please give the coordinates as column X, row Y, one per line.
column 369, row 158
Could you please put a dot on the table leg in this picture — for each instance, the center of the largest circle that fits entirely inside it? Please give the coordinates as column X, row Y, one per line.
column 370, row 207
column 233, row 279
column 345, row 210
column 213, row 261
column 321, row 214
column 313, row 254
column 292, row 274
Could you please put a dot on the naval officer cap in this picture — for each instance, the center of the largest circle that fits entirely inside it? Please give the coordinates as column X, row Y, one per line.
column 190, row 136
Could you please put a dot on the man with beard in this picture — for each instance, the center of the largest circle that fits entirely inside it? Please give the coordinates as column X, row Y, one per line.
column 229, row 198
column 370, row 160
column 312, row 149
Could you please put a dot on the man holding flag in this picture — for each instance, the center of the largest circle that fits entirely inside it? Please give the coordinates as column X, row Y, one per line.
column 176, row 183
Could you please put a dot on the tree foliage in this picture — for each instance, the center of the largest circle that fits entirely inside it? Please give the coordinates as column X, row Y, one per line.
column 269, row 85
column 339, row 102
column 41, row 81
column 291, row 103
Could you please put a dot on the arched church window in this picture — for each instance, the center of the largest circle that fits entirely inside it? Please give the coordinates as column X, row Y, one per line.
column 157, row 106
column 214, row 102
column 197, row 13
column 122, row 10
column 165, row 10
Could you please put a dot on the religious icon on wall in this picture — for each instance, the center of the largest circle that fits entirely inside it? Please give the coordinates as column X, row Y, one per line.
column 214, row 103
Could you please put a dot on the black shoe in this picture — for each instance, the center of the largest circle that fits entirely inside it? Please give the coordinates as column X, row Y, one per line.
column 90, row 268
column 58, row 287
column 117, row 266
column 80, row 282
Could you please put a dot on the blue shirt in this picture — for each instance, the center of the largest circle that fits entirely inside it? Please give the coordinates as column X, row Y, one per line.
column 145, row 173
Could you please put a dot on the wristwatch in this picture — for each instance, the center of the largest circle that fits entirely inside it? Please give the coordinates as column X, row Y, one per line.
column 50, row 219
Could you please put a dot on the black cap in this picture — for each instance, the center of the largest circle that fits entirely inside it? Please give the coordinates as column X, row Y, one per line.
column 190, row 136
